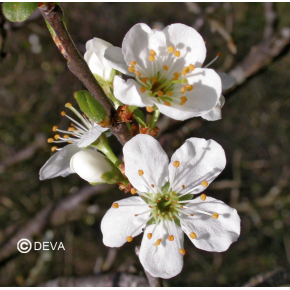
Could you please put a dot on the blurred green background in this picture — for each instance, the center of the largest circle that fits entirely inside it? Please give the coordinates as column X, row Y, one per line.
column 35, row 83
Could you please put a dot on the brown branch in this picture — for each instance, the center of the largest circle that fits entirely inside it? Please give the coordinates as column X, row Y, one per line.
column 53, row 14
column 261, row 55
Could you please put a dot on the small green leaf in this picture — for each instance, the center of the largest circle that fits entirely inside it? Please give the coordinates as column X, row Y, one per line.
column 139, row 116
column 90, row 106
column 18, row 11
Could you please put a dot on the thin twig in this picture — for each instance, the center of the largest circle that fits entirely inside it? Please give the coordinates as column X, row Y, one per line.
column 53, row 14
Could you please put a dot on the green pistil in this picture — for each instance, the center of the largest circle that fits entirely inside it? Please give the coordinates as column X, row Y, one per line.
column 169, row 83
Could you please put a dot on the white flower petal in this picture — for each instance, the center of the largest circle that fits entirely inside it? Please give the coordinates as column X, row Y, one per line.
column 59, row 163
column 200, row 100
column 188, row 41
column 128, row 92
column 216, row 113
column 144, row 153
column 164, row 261
column 200, row 160
column 119, row 223
column 214, row 235
column 227, row 81
column 90, row 165
column 94, row 56
column 206, row 90
column 138, row 42
column 91, row 136
column 94, row 63
column 116, row 59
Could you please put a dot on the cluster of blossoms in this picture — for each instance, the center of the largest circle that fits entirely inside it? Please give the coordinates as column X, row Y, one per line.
column 167, row 77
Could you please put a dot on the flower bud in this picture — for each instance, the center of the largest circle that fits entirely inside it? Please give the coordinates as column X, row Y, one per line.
column 90, row 165
column 94, row 56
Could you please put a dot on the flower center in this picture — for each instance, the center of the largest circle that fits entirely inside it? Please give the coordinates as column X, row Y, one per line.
column 160, row 80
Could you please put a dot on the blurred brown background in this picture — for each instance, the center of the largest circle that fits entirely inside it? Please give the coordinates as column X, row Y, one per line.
column 35, row 83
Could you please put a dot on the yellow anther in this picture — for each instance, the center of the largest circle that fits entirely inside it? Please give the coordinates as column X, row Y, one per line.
column 183, row 100
column 158, row 242
column 176, row 74
column 70, row 129
column 50, row 140
column 169, row 93
column 219, row 54
column 171, row 49
column 184, row 73
column 183, row 89
column 174, row 79
column 138, row 74
column 193, row 235
column 160, row 93
column 142, row 89
column 63, row 113
column 56, row 137
column 152, row 52
column 154, row 79
column 215, row 215
column 204, row 183
column 133, row 191
column 171, row 238
column 115, row 205
column 54, row 128
column 167, row 104
column 66, row 136
column 191, row 67
column 133, row 62
column 177, row 53
column 140, row 172
column 131, row 69
column 72, row 124
column 182, row 252
column 149, row 236
column 203, row 197
column 144, row 80
column 129, row 239
column 68, row 105
column 176, row 164
column 152, row 185
column 53, row 148
column 155, row 27
column 151, row 57
column 70, row 142
column 186, row 69
column 165, row 67
column 149, row 109
column 183, row 186
column 136, row 214
column 189, row 88
column 192, row 214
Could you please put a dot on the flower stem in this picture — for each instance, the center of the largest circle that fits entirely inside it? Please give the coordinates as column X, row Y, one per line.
column 154, row 119
column 102, row 145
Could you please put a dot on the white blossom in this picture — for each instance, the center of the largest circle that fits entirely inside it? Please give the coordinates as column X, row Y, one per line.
column 94, row 56
column 79, row 135
column 164, row 208
column 167, row 68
